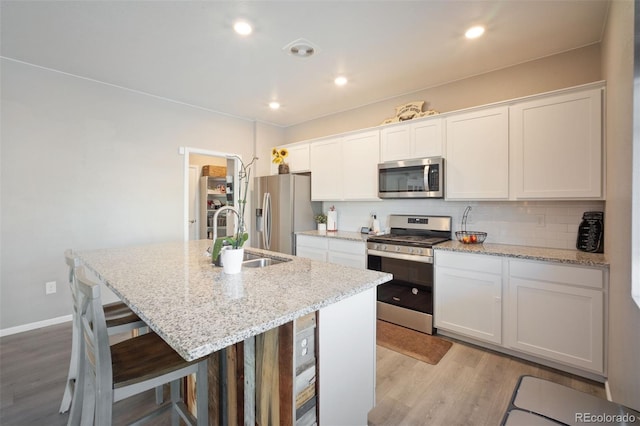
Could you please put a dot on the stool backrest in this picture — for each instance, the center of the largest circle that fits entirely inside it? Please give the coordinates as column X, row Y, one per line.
column 95, row 339
column 72, row 262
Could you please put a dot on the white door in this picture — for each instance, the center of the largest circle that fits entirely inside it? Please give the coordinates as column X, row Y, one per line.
column 194, row 230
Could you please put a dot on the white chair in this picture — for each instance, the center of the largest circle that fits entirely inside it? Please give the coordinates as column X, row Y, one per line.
column 119, row 319
column 127, row 368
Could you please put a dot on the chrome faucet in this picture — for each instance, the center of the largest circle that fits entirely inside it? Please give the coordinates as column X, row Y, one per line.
column 215, row 224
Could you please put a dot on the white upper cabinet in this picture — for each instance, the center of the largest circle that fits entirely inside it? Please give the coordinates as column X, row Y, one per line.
column 411, row 140
column 326, row 169
column 477, row 155
column 346, row 168
column 556, row 144
column 546, row 146
column 361, row 155
column 298, row 159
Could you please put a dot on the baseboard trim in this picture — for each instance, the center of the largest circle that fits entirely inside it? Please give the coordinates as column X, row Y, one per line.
column 607, row 389
column 34, row 325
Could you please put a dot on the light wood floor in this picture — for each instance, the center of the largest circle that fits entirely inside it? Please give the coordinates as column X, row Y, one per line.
column 469, row 386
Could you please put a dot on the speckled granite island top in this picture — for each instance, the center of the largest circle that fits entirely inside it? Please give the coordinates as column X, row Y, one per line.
column 532, row 253
column 197, row 309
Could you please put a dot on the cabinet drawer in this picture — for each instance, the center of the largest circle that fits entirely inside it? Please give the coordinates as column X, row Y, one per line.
column 470, row 262
column 314, row 242
column 352, row 247
column 562, row 274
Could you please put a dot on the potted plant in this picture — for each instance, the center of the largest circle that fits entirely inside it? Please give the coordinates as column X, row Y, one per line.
column 277, row 157
column 321, row 220
column 230, row 244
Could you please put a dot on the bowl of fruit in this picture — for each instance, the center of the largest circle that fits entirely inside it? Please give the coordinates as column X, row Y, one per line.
column 469, row 237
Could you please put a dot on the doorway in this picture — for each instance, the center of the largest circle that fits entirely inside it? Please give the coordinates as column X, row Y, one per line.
column 194, row 160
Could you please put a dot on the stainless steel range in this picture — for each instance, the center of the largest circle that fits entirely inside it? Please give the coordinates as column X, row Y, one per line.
column 407, row 253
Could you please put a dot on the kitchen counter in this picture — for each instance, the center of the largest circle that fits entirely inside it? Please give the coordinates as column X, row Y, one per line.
column 339, row 235
column 525, row 252
column 197, row 309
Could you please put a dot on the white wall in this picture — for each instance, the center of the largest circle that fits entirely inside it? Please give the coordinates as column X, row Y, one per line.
column 87, row 165
column 624, row 315
column 572, row 68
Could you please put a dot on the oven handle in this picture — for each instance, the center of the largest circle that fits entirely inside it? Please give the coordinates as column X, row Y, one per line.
column 401, row 256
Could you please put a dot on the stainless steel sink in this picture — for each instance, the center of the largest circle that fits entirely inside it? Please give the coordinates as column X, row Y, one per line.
column 257, row 261
column 252, row 256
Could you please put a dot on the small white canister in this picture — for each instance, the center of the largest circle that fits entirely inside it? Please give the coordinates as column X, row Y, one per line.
column 332, row 220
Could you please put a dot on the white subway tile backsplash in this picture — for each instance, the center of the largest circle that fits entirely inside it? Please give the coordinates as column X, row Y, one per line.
column 506, row 222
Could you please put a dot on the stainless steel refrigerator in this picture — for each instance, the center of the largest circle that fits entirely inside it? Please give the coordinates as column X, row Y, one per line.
column 282, row 206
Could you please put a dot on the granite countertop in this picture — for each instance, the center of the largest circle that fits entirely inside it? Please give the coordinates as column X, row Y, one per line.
column 340, row 235
column 525, row 252
column 197, row 309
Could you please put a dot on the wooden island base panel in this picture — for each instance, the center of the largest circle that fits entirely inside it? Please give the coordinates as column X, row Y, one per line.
column 284, row 391
column 259, row 328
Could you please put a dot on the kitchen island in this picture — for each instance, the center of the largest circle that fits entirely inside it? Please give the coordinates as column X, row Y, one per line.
column 198, row 310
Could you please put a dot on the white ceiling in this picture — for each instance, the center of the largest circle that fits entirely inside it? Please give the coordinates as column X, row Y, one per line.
column 187, row 51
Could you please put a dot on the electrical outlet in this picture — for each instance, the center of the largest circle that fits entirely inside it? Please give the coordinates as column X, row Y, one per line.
column 540, row 221
column 50, row 287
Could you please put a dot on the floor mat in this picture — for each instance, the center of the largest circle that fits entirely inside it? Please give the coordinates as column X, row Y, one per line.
column 423, row 347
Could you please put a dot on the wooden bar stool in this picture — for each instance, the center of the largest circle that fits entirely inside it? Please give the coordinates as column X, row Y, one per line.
column 128, row 368
column 119, row 319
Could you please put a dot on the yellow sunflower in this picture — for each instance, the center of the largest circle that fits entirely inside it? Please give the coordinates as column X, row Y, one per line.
column 279, row 155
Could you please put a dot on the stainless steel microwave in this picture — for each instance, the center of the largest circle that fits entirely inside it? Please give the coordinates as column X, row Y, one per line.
column 421, row 178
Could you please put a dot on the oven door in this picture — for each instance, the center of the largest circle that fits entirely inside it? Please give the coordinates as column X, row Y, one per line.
column 407, row 299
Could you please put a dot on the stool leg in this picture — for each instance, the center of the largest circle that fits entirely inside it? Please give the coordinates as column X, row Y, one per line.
column 202, row 394
column 72, row 375
column 175, row 398
column 159, row 395
column 159, row 389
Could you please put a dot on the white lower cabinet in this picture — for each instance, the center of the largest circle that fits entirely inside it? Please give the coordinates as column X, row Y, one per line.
column 348, row 253
column 347, row 376
column 549, row 311
column 332, row 250
column 315, row 248
column 468, row 295
column 347, row 360
column 557, row 312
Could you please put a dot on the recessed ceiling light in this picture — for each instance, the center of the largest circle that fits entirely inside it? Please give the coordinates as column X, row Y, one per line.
column 274, row 105
column 474, row 32
column 242, row 27
column 340, row 81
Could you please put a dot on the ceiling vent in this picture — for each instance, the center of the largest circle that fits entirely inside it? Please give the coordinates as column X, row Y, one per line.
column 300, row 48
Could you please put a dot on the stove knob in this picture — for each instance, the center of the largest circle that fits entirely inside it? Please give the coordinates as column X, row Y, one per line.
column 375, row 246
column 419, row 251
column 383, row 247
column 397, row 248
column 410, row 250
